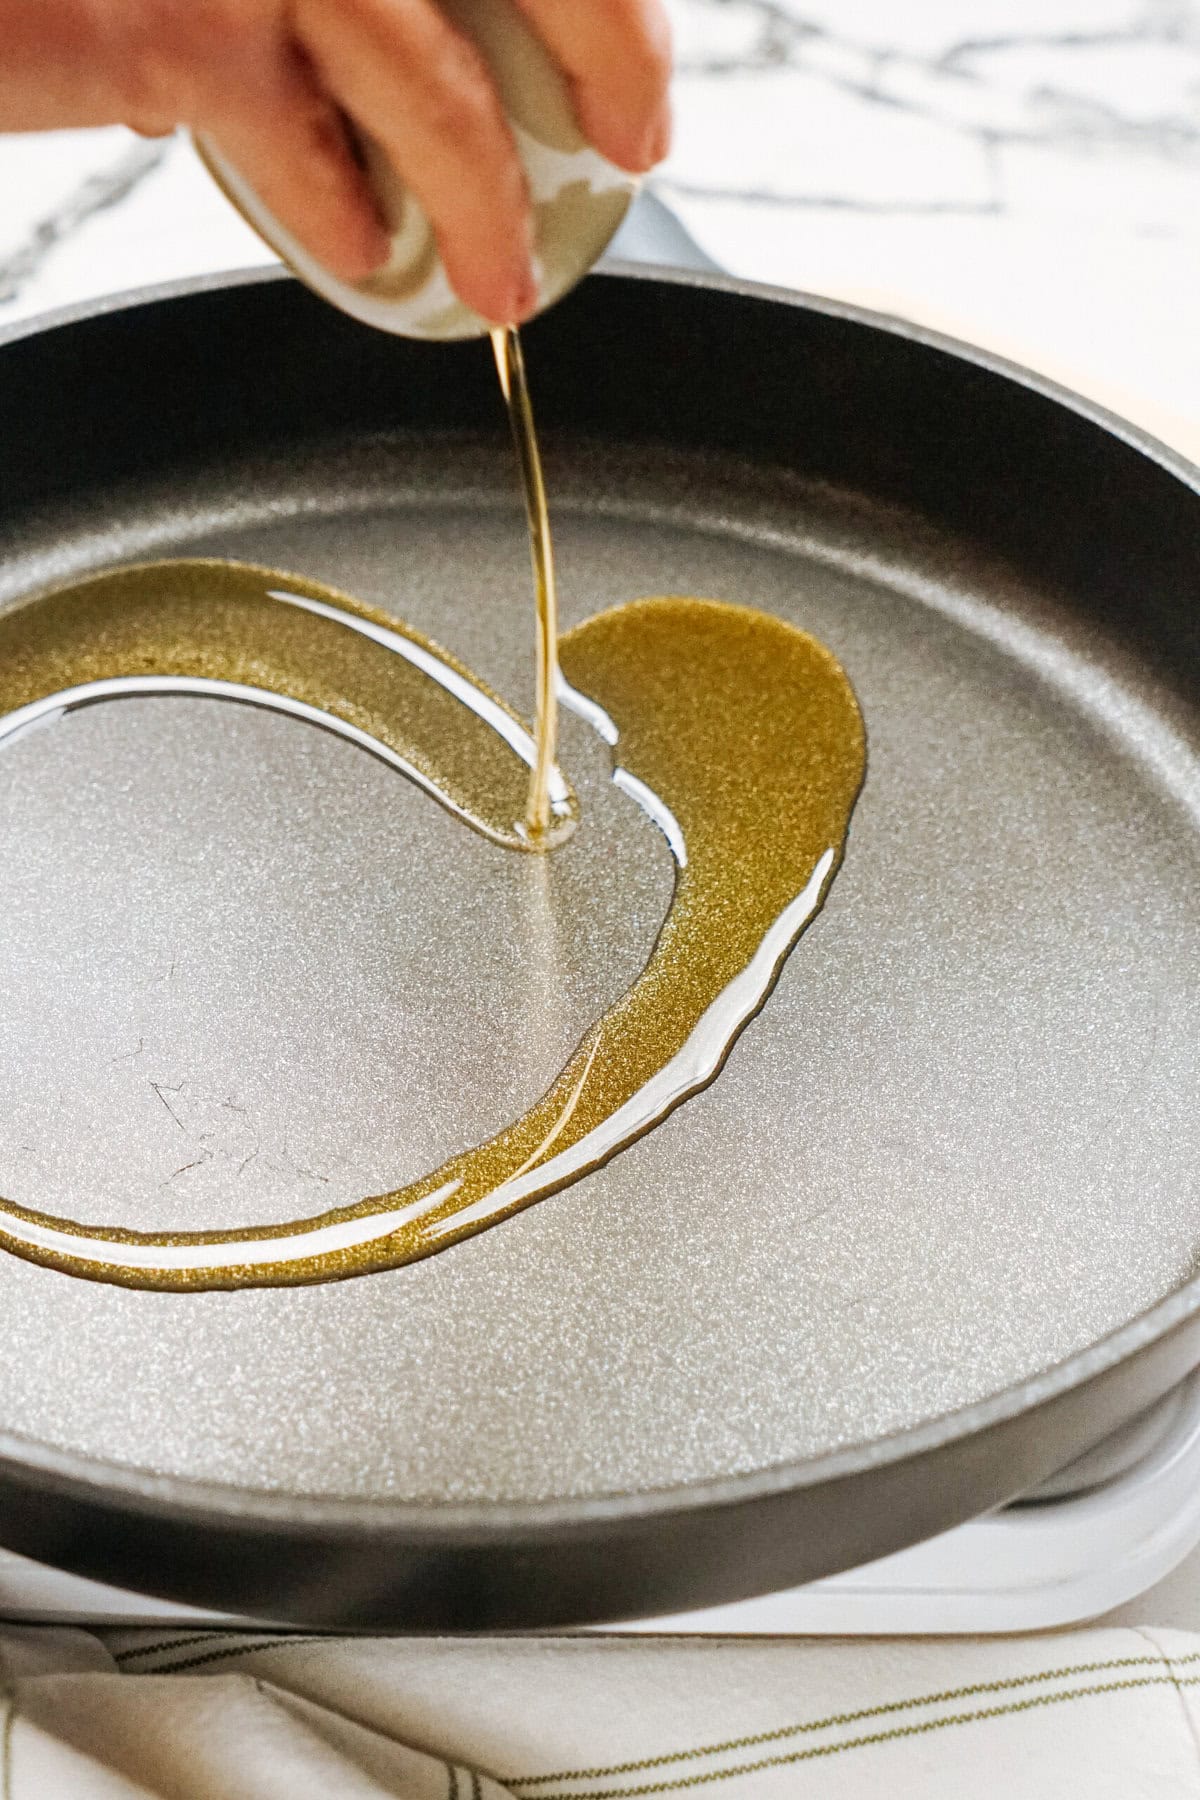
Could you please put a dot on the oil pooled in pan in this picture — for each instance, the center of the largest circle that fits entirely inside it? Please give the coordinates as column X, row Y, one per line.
column 739, row 735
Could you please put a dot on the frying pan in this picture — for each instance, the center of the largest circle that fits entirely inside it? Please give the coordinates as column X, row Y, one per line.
column 931, row 1233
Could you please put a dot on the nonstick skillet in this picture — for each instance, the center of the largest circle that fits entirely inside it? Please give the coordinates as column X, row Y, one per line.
column 934, row 1229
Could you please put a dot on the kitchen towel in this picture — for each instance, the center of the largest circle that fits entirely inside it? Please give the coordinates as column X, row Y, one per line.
column 1105, row 1714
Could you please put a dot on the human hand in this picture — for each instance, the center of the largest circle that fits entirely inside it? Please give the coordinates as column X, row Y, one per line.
column 272, row 82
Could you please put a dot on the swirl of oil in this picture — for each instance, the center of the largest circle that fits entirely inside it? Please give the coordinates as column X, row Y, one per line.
column 737, row 733
column 235, row 632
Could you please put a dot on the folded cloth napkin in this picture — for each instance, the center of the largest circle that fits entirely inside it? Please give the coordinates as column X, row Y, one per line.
column 1110, row 1714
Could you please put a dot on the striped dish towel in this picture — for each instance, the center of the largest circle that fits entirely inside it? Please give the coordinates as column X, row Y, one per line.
column 1109, row 1714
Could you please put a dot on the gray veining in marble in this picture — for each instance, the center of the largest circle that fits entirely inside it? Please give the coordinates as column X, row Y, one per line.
column 1117, row 80
column 107, row 187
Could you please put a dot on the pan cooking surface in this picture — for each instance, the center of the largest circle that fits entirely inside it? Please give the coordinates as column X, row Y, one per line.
column 248, row 973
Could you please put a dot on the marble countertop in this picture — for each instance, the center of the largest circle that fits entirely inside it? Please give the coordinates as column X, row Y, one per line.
column 1023, row 173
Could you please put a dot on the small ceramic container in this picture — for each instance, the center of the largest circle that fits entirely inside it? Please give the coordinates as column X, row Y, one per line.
column 579, row 197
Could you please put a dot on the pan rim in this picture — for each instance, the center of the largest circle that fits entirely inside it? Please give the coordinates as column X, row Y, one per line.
column 478, row 1522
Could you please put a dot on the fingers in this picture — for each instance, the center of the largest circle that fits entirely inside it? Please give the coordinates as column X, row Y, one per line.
column 229, row 69
column 293, row 149
column 617, row 56
column 270, row 80
column 410, row 80
column 54, row 67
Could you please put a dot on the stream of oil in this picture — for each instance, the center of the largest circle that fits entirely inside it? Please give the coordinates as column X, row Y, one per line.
column 510, row 366
column 739, row 735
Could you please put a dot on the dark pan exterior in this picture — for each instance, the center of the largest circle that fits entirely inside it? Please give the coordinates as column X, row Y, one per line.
column 990, row 456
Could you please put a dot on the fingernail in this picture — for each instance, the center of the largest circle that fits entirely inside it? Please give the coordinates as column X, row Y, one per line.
column 525, row 298
column 644, row 152
column 357, row 268
column 658, row 141
column 369, row 255
column 378, row 249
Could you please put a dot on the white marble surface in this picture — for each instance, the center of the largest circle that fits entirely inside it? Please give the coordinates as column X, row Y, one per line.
column 1024, row 173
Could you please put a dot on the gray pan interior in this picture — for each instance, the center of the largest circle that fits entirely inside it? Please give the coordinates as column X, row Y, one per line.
column 248, row 973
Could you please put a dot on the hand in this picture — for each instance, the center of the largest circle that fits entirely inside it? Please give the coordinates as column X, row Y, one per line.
column 271, row 81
